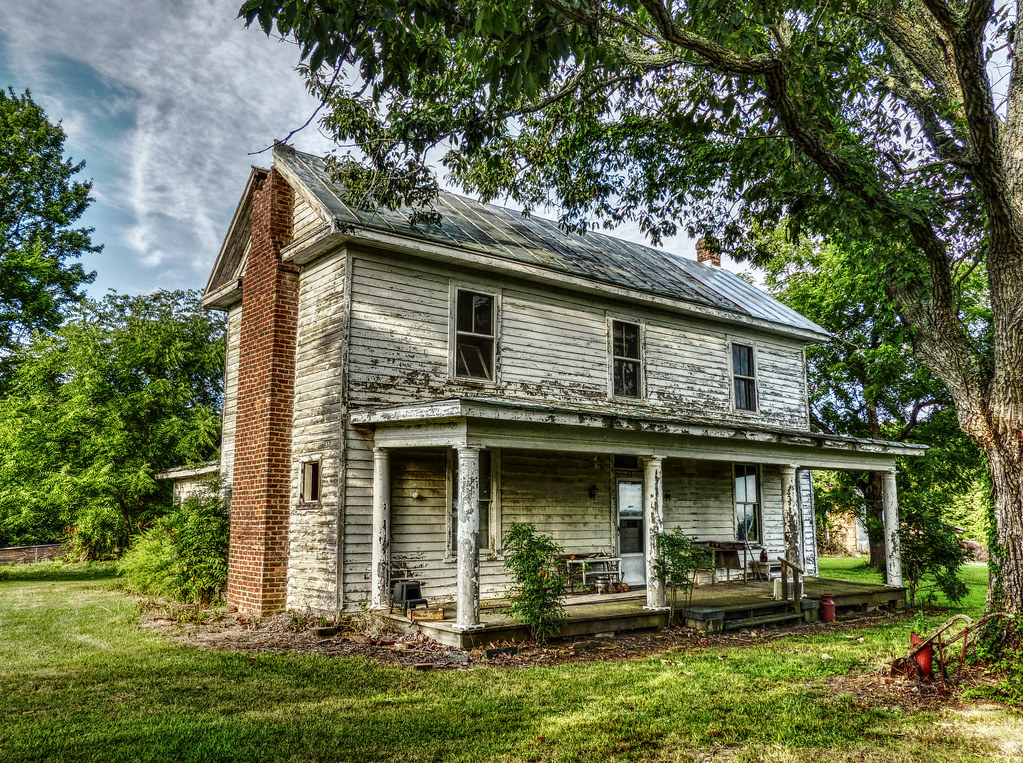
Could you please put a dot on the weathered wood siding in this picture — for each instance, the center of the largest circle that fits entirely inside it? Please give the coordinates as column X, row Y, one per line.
column 305, row 219
column 229, row 419
column 552, row 348
column 316, row 436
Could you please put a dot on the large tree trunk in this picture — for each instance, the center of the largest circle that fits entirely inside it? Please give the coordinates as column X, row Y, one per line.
column 1005, row 456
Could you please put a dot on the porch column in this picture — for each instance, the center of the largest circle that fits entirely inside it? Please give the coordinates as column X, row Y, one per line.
column 653, row 509
column 792, row 522
column 892, row 547
column 380, row 575
column 468, row 613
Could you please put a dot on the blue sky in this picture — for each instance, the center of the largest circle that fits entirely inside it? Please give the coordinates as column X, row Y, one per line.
column 165, row 100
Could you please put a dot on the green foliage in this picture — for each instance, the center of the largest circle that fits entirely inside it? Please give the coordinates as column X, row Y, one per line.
column 183, row 556
column 932, row 553
column 539, row 583
column 680, row 558
column 39, row 203
column 129, row 386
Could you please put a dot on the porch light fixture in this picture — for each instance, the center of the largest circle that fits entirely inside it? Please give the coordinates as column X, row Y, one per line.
column 593, row 492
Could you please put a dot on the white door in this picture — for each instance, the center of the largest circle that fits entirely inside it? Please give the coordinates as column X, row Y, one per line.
column 631, row 535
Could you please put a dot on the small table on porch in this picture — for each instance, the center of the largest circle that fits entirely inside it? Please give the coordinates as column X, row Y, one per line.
column 593, row 567
column 725, row 554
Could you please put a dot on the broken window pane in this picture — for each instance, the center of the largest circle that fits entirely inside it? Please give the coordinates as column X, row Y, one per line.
column 474, row 335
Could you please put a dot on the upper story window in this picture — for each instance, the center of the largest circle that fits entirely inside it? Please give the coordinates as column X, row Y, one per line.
column 310, row 482
column 744, row 380
column 626, row 359
column 474, row 335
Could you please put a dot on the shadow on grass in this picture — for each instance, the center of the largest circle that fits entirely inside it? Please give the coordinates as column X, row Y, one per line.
column 58, row 571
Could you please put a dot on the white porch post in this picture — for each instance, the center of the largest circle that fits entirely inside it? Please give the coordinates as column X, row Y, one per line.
column 892, row 547
column 792, row 522
column 653, row 510
column 380, row 575
column 468, row 612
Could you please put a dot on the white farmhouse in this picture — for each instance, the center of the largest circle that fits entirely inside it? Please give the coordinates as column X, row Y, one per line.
column 397, row 397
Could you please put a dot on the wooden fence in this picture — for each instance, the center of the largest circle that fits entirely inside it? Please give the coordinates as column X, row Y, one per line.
column 25, row 554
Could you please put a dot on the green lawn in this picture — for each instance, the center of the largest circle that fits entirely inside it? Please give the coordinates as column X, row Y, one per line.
column 80, row 681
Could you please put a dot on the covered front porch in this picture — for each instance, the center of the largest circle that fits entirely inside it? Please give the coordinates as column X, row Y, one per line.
column 469, row 431
column 712, row 609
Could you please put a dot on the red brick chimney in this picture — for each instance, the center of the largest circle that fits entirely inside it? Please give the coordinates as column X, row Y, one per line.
column 261, row 485
column 707, row 251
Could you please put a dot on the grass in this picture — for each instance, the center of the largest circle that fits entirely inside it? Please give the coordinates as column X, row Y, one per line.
column 80, row 681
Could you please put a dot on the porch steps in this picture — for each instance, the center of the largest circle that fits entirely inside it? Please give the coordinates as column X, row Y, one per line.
column 728, row 618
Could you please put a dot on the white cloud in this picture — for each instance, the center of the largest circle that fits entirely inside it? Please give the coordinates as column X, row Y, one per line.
column 196, row 93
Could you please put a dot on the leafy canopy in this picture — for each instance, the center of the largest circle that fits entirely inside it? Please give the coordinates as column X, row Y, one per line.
column 40, row 202
column 127, row 387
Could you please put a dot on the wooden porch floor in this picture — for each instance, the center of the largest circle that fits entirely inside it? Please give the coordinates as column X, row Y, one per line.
column 588, row 614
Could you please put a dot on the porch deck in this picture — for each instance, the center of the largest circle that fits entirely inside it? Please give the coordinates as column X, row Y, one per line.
column 718, row 607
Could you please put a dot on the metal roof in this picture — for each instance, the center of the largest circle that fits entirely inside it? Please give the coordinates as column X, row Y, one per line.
column 506, row 234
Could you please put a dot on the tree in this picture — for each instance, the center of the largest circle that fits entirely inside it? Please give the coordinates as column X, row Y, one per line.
column 866, row 382
column 39, row 204
column 125, row 388
column 875, row 120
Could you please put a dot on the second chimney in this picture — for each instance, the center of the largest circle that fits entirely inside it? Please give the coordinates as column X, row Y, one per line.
column 707, row 251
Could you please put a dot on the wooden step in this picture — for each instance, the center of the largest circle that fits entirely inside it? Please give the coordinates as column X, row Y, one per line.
column 751, row 622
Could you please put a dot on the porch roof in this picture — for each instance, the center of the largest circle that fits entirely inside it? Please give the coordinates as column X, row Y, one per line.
column 491, row 422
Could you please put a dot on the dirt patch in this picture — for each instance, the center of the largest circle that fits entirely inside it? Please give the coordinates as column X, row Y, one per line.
column 374, row 638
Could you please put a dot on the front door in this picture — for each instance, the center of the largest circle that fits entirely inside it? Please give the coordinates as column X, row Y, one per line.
column 631, row 537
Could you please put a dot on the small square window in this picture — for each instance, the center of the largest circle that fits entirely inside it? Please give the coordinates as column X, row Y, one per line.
column 626, row 359
column 474, row 335
column 311, row 482
column 744, row 378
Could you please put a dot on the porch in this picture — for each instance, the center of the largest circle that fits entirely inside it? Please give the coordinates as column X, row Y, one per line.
column 716, row 608
column 449, row 476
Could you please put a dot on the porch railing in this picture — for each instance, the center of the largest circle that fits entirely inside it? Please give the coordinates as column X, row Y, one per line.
column 797, row 583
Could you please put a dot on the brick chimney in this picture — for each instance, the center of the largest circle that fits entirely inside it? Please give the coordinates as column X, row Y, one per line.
column 261, row 489
column 707, row 251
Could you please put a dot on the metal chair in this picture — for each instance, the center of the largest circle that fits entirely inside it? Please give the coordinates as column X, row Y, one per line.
column 408, row 594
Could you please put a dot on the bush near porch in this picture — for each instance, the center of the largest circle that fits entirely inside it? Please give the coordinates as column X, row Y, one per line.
column 81, row 681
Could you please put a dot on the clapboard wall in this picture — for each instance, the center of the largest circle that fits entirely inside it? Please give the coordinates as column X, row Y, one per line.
column 553, row 347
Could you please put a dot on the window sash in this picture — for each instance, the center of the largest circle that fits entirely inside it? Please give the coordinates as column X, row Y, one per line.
column 744, row 381
column 626, row 359
column 746, row 487
column 474, row 335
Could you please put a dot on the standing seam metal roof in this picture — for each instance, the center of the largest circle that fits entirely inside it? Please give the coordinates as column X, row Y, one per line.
column 505, row 234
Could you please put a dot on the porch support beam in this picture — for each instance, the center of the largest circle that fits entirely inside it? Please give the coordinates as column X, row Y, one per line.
column 468, row 601
column 792, row 521
column 653, row 509
column 380, row 575
column 892, row 547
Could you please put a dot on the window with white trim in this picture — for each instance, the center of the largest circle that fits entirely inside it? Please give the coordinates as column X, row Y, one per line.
column 310, row 482
column 475, row 321
column 744, row 381
column 747, row 503
column 626, row 359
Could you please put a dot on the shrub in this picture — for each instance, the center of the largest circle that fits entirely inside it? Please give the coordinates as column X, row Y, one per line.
column 680, row 558
column 539, row 584
column 183, row 556
column 932, row 554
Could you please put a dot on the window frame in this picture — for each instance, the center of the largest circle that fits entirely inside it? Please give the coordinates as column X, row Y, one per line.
column 734, row 377
column 454, row 333
column 493, row 547
column 613, row 358
column 758, row 505
column 310, row 484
